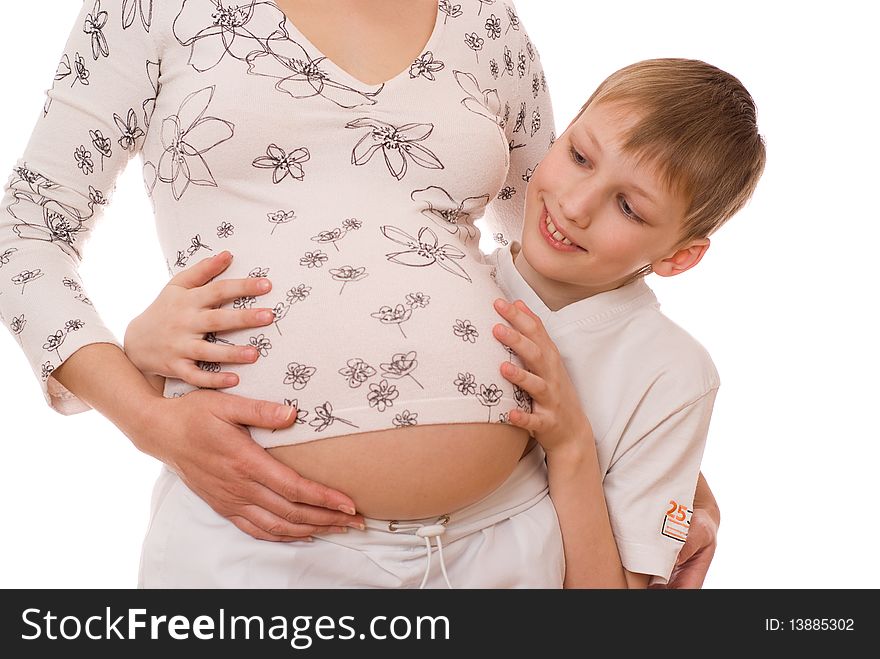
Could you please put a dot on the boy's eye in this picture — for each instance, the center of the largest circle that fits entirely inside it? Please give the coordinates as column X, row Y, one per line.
column 627, row 210
column 577, row 157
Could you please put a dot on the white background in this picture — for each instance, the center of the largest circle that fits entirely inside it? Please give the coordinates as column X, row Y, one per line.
column 784, row 300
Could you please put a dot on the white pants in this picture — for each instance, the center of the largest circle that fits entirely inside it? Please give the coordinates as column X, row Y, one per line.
column 509, row 539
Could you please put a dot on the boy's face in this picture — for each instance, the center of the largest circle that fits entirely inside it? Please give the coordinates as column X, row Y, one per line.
column 616, row 213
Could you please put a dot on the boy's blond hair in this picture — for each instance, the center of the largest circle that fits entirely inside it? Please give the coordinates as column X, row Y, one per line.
column 698, row 126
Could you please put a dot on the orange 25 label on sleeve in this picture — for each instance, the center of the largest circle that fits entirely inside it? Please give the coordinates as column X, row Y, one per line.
column 677, row 521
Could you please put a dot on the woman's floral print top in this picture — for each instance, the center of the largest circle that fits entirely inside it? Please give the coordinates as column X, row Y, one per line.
column 361, row 202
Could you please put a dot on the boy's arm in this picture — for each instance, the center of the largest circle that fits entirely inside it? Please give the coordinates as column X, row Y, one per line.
column 558, row 422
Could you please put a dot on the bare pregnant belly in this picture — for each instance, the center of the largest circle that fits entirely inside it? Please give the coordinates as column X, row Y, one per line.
column 411, row 472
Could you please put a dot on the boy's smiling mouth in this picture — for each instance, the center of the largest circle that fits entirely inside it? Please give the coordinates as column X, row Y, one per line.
column 554, row 236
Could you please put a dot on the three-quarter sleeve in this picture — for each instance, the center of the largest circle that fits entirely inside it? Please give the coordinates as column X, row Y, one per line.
column 528, row 125
column 94, row 120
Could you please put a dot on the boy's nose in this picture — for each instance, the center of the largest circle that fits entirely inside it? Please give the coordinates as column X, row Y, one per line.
column 578, row 206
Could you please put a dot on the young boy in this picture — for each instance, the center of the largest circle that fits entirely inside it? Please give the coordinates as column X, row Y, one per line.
column 661, row 155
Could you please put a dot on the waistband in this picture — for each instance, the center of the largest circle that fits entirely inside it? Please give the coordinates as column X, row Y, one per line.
column 524, row 488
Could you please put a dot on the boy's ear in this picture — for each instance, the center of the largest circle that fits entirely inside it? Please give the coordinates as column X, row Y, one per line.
column 684, row 258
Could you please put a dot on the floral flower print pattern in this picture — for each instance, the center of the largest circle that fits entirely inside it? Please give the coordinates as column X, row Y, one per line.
column 298, row 375
column 347, row 274
column 133, row 8
column 451, row 10
column 301, row 76
column 83, row 159
column 129, row 128
column 382, row 395
column 465, row 330
column 405, row 418
column 4, row 256
column 262, row 344
column 24, row 277
column 357, row 373
column 225, row 229
column 47, row 369
column 402, row 365
column 324, row 418
column 301, row 415
column 398, row 144
column 493, row 27
column 315, row 259
column 475, row 42
column 489, row 397
column 484, row 102
column 514, row 19
column 61, row 224
column 186, row 137
column 425, row 66
column 402, row 312
column 82, row 73
column 334, row 235
column 283, row 164
column 54, row 341
column 213, row 29
column 34, row 180
column 102, row 144
column 466, row 384
column 293, row 296
column 454, row 217
column 485, row 2
column 93, row 26
column 424, row 251
column 17, row 326
column 280, row 217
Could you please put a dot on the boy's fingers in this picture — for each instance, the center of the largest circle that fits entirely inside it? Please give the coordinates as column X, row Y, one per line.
column 520, row 419
column 224, row 354
column 524, row 347
column 207, row 379
column 202, row 272
column 220, row 320
column 224, row 290
column 518, row 315
column 533, row 385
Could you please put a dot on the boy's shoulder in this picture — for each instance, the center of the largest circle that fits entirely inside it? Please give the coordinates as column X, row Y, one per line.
column 661, row 346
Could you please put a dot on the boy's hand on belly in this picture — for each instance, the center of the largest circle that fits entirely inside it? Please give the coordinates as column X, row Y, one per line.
column 202, row 437
column 176, row 335
column 557, row 420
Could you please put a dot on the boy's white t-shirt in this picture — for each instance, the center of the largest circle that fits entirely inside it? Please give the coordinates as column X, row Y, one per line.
column 648, row 388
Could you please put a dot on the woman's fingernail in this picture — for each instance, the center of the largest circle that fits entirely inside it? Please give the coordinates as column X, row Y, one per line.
column 264, row 285
column 230, row 380
column 348, row 510
column 502, row 330
column 265, row 316
column 500, row 304
column 285, row 413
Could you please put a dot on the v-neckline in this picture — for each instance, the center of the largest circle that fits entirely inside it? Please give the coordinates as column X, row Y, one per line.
column 291, row 27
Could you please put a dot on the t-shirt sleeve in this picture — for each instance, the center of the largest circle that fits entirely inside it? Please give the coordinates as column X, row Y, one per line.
column 527, row 122
column 94, row 120
column 650, row 488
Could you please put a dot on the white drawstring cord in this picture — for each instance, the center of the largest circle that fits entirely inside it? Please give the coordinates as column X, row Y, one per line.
column 427, row 531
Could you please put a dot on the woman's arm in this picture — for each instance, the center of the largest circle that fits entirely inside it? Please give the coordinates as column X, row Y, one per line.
column 202, row 437
column 95, row 120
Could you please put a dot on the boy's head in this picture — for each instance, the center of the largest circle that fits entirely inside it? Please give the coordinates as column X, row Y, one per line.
column 661, row 155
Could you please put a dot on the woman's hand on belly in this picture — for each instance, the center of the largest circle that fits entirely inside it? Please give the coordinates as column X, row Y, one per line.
column 200, row 436
column 176, row 335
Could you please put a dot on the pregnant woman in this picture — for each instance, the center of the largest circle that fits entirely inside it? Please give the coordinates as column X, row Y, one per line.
column 347, row 159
